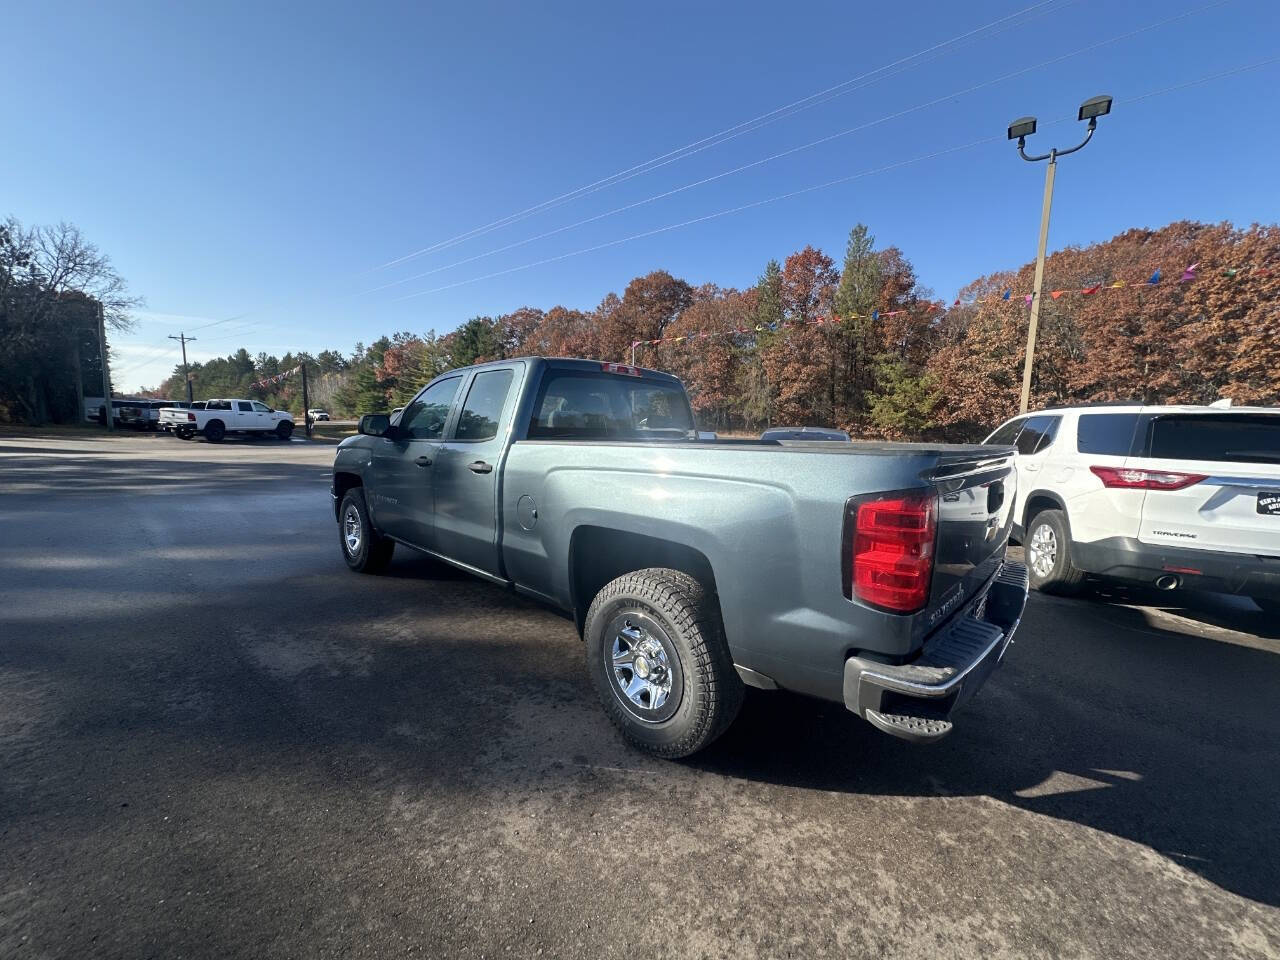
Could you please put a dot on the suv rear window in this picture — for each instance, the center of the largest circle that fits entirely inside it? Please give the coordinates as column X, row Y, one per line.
column 1229, row 438
column 1111, row 434
column 589, row 406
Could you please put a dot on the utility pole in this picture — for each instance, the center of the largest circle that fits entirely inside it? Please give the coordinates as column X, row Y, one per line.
column 186, row 375
column 306, row 404
column 109, row 411
column 1036, row 289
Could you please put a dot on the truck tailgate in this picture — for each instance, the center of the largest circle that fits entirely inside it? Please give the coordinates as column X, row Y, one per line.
column 975, row 516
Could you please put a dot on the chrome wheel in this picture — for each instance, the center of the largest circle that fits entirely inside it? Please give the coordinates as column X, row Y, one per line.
column 352, row 530
column 1042, row 550
column 644, row 668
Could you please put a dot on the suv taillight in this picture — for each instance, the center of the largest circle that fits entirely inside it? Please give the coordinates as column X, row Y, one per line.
column 891, row 562
column 1128, row 478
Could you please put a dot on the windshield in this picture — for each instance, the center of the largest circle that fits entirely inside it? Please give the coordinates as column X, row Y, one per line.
column 591, row 406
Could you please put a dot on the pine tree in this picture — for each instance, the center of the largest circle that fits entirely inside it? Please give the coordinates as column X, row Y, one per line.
column 904, row 403
column 757, row 392
column 856, row 297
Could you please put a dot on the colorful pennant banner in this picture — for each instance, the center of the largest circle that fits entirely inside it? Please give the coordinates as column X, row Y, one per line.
column 1188, row 276
column 262, row 384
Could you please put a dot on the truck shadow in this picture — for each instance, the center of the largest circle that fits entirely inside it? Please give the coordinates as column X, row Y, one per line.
column 1167, row 739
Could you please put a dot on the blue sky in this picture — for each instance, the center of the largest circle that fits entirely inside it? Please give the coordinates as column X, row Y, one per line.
column 256, row 160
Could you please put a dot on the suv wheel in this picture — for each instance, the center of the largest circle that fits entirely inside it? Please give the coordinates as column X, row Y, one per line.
column 658, row 659
column 362, row 547
column 1048, row 553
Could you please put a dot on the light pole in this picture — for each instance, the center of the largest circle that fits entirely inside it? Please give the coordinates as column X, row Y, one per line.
column 1019, row 130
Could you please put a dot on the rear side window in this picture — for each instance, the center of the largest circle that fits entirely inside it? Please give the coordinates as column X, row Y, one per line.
column 482, row 410
column 1228, row 438
column 1006, row 434
column 585, row 406
column 1037, row 434
column 1111, row 434
column 244, row 406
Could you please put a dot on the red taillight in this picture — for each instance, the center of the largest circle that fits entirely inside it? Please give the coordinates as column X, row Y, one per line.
column 191, row 417
column 893, row 542
column 1130, row 478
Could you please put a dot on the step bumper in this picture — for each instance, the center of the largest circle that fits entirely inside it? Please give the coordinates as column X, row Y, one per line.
column 915, row 701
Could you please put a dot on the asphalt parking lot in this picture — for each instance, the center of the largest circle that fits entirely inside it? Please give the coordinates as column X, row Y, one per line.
column 218, row 742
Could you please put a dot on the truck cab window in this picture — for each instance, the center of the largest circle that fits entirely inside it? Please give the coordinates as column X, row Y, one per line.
column 579, row 406
column 425, row 417
column 482, row 410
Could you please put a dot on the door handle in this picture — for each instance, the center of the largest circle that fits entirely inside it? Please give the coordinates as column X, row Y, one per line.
column 423, row 461
column 480, row 466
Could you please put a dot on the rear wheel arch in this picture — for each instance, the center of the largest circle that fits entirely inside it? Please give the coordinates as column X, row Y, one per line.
column 599, row 555
column 1038, row 502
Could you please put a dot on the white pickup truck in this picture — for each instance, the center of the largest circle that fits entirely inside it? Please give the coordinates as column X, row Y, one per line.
column 220, row 417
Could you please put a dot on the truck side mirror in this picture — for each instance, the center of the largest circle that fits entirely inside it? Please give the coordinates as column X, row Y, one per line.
column 375, row 425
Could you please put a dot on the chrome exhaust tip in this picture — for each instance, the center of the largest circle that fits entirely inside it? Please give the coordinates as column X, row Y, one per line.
column 1167, row 582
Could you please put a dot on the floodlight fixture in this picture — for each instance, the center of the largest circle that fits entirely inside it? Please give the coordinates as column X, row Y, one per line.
column 1095, row 107
column 1022, row 127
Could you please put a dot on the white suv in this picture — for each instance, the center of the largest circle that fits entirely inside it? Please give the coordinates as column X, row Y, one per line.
column 1174, row 496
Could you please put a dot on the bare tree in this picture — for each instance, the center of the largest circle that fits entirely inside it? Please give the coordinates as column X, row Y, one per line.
column 50, row 278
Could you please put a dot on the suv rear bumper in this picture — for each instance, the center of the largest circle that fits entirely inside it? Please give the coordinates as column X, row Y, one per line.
column 1127, row 558
column 915, row 700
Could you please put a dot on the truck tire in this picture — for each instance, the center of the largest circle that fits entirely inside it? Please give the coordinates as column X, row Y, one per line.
column 214, row 431
column 657, row 656
column 1048, row 554
column 362, row 547
column 284, row 430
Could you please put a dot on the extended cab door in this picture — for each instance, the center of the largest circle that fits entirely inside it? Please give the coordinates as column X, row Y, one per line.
column 403, row 466
column 468, row 469
column 1214, row 482
column 245, row 417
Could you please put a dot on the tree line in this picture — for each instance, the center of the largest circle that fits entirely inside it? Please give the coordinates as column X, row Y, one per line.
column 898, row 364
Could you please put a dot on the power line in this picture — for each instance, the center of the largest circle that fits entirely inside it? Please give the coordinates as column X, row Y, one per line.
column 814, row 187
column 788, row 152
column 702, row 219
column 729, row 133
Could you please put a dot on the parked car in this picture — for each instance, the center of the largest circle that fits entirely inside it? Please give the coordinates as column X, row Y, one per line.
column 318, row 415
column 1172, row 496
column 803, row 433
column 217, row 418
column 875, row 578
column 98, row 413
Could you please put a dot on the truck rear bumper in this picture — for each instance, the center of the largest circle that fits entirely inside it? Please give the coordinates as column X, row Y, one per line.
column 915, row 700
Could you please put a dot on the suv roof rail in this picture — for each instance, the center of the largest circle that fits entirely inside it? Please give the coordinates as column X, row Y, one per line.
column 1096, row 403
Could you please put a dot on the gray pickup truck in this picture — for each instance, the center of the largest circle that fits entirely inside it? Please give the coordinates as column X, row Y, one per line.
column 872, row 574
